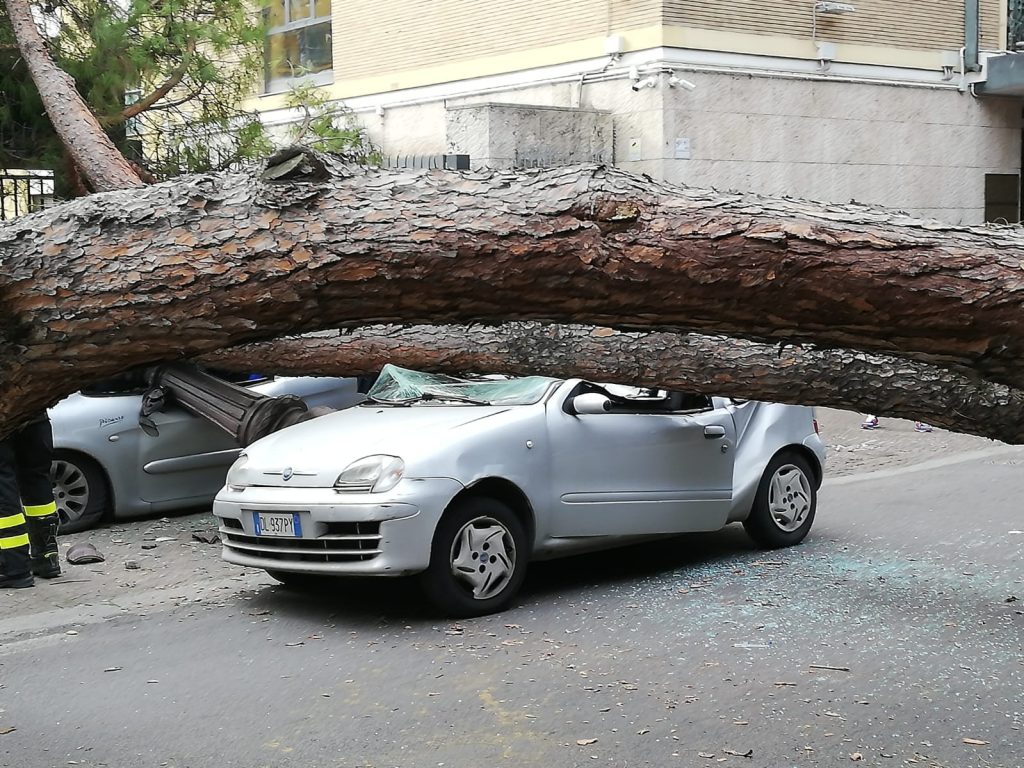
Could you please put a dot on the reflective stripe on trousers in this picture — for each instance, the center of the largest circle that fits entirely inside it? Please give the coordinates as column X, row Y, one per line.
column 41, row 510
column 13, row 531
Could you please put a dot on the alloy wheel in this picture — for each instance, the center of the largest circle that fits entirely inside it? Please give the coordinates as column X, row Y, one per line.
column 70, row 491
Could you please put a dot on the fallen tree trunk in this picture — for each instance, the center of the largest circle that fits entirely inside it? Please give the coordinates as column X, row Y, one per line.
column 186, row 267
column 883, row 384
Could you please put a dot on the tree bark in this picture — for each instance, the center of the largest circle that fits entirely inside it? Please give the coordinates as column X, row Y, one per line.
column 186, row 267
column 713, row 365
column 92, row 150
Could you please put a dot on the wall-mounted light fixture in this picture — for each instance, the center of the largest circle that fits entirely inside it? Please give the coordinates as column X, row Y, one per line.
column 826, row 53
column 950, row 64
column 827, row 7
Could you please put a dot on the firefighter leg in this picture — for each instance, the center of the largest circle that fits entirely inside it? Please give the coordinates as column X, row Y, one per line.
column 42, row 532
column 33, row 450
column 14, row 549
column 15, row 571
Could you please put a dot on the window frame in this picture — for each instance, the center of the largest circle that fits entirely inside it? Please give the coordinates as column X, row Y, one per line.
column 273, row 84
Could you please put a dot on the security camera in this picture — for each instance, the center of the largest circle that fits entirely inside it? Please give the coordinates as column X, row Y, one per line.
column 647, row 82
column 678, row 82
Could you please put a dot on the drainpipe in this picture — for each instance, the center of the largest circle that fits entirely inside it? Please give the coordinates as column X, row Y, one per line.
column 972, row 14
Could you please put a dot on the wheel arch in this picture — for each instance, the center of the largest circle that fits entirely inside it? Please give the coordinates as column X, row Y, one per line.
column 507, row 492
column 810, row 456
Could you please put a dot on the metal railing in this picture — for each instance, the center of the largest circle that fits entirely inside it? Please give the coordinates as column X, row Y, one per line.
column 27, row 191
column 447, row 162
column 556, row 160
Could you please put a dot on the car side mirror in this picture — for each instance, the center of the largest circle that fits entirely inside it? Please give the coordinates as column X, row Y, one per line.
column 591, row 402
column 153, row 400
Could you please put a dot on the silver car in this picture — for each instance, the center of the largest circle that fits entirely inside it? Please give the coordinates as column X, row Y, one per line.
column 107, row 467
column 465, row 481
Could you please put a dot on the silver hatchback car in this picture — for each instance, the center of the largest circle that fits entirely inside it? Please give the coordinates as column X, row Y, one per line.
column 106, row 467
column 465, row 481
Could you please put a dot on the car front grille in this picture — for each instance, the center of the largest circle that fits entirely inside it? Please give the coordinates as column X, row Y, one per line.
column 343, row 543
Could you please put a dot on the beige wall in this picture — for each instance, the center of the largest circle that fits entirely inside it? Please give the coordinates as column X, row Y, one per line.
column 398, row 35
column 915, row 24
column 381, row 47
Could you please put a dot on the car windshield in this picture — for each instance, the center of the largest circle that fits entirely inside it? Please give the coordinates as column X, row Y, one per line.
column 402, row 386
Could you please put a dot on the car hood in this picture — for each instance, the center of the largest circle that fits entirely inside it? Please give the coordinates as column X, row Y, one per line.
column 317, row 451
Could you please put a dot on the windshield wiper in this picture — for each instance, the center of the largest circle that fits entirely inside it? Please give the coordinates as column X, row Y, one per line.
column 435, row 396
column 382, row 401
column 453, row 398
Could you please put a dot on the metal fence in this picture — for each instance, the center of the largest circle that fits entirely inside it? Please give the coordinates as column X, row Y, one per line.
column 557, row 160
column 447, row 162
column 23, row 191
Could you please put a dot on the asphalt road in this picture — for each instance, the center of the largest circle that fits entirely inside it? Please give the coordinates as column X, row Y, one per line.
column 696, row 651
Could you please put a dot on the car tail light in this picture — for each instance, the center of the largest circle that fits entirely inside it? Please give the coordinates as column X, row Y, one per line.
column 816, row 431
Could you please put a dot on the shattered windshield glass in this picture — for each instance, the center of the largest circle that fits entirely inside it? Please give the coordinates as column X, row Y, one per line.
column 400, row 385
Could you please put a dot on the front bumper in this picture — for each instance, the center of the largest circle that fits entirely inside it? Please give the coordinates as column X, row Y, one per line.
column 341, row 533
column 816, row 445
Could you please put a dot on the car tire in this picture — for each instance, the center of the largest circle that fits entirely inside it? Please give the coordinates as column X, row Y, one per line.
column 785, row 504
column 80, row 491
column 478, row 558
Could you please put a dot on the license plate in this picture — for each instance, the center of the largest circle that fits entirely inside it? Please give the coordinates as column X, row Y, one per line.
column 268, row 524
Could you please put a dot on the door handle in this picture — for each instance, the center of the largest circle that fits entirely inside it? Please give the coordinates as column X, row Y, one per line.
column 714, row 432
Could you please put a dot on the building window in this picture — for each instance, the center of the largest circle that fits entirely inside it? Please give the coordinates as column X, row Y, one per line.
column 1002, row 198
column 298, row 42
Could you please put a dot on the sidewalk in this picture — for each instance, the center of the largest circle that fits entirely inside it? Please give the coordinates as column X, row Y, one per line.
column 175, row 569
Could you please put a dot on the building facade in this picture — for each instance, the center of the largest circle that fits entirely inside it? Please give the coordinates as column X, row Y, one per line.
column 870, row 100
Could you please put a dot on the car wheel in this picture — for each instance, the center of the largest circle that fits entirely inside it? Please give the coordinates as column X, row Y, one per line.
column 80, row 490
column 786, row 501
column 477, row 560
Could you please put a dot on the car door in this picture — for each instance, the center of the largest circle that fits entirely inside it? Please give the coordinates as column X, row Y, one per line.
column 187, row 459
column 624, row 473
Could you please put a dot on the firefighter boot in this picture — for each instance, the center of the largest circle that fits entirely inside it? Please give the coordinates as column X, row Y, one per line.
column 15, row 572
column 42, row 533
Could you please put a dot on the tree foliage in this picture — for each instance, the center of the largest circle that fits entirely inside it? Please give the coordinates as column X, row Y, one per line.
column 143, row 67
column 325, row 126
column 166, row 79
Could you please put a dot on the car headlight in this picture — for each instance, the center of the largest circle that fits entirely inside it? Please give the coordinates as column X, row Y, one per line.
column 373, row 474
column 234, row 479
